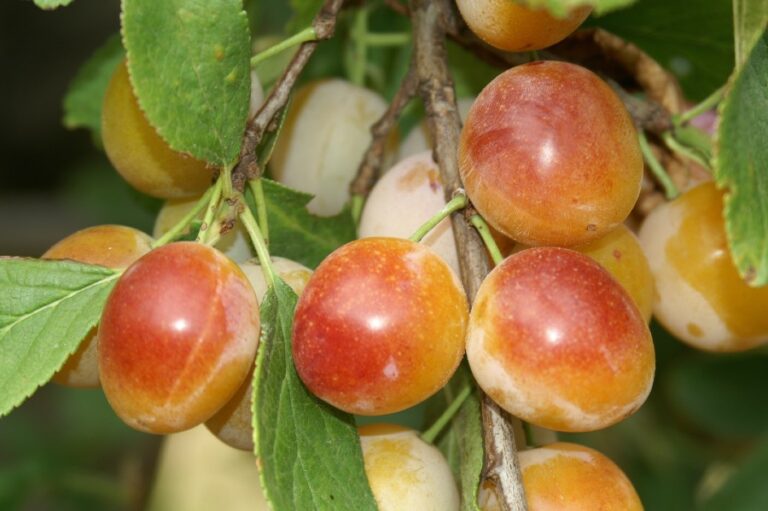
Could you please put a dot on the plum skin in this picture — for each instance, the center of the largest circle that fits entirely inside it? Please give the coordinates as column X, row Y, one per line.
column 701, row 299
column 405, row 472
column 556, row 341
column 113, row 246
column 380, row 327
column 415, row 185
column 325, row 135
column 139, row 154
column 621, row 254
column 178, row 336
column 569, row 477
column 511, row 26
column 550, row 156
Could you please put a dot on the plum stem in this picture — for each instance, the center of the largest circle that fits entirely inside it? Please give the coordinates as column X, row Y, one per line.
column 670, row 189
column 358, row 201
column 707, row 104
column 308, row 34
column 359, row 61
column 430, row 434
column 210, row 212
column 176, row 231
column 257, row 189
column 387, row 38
column 250, row 224
column 485, row 233
column 458, row 202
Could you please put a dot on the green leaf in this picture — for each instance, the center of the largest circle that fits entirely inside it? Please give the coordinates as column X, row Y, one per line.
column 309, row 451
column 82, row 103
column 562, row 7
column 304, row 12
column 52, row 4
column 745, row 489
column 189, row 65
column 462, row 441
column 46, row 309
column 749, row 21
column 267, row 146
column 297, row 234
column 741, row 165
column 695, row 43
column 722, row 395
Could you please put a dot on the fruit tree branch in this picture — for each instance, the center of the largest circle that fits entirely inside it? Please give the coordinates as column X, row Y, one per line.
column 248, row 167
column 430, row 22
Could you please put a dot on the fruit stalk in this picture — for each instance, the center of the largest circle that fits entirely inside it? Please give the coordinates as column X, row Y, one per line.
column 437, row 92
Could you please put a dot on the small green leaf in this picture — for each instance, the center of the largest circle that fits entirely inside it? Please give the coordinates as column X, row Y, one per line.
column 304, row 12
column 741, row 165
column 745, row 489
column 82, row 103
column 46, row 309
column 189, row 65
column 309, row 451
column 695, row 139
column 722, row 395
column 52, row 4
column 696, row 44
column 562, row 7
column 749, row 21
column 462, row 440
column 267, row 146
column 297, row 234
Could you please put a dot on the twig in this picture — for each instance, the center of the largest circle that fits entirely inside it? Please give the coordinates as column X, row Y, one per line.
column 647, row 114
column 324, row 25
column 430, row 19
column 398, row 7
column 370, row 167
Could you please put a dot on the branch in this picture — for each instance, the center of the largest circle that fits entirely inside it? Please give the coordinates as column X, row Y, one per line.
column 370, row 167
column 248, row 167
column 430, row 19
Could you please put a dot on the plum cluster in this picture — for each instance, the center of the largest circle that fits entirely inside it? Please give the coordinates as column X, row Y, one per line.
column 557, row 334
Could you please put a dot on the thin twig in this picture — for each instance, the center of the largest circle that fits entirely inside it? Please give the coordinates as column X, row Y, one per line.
column 324, row 25
column 398, row 7
column 430, row 21
column 370, row 167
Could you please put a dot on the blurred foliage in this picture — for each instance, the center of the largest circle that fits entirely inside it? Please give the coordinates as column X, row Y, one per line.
column 65, row 449
column 93, row 188
column 693, row 40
